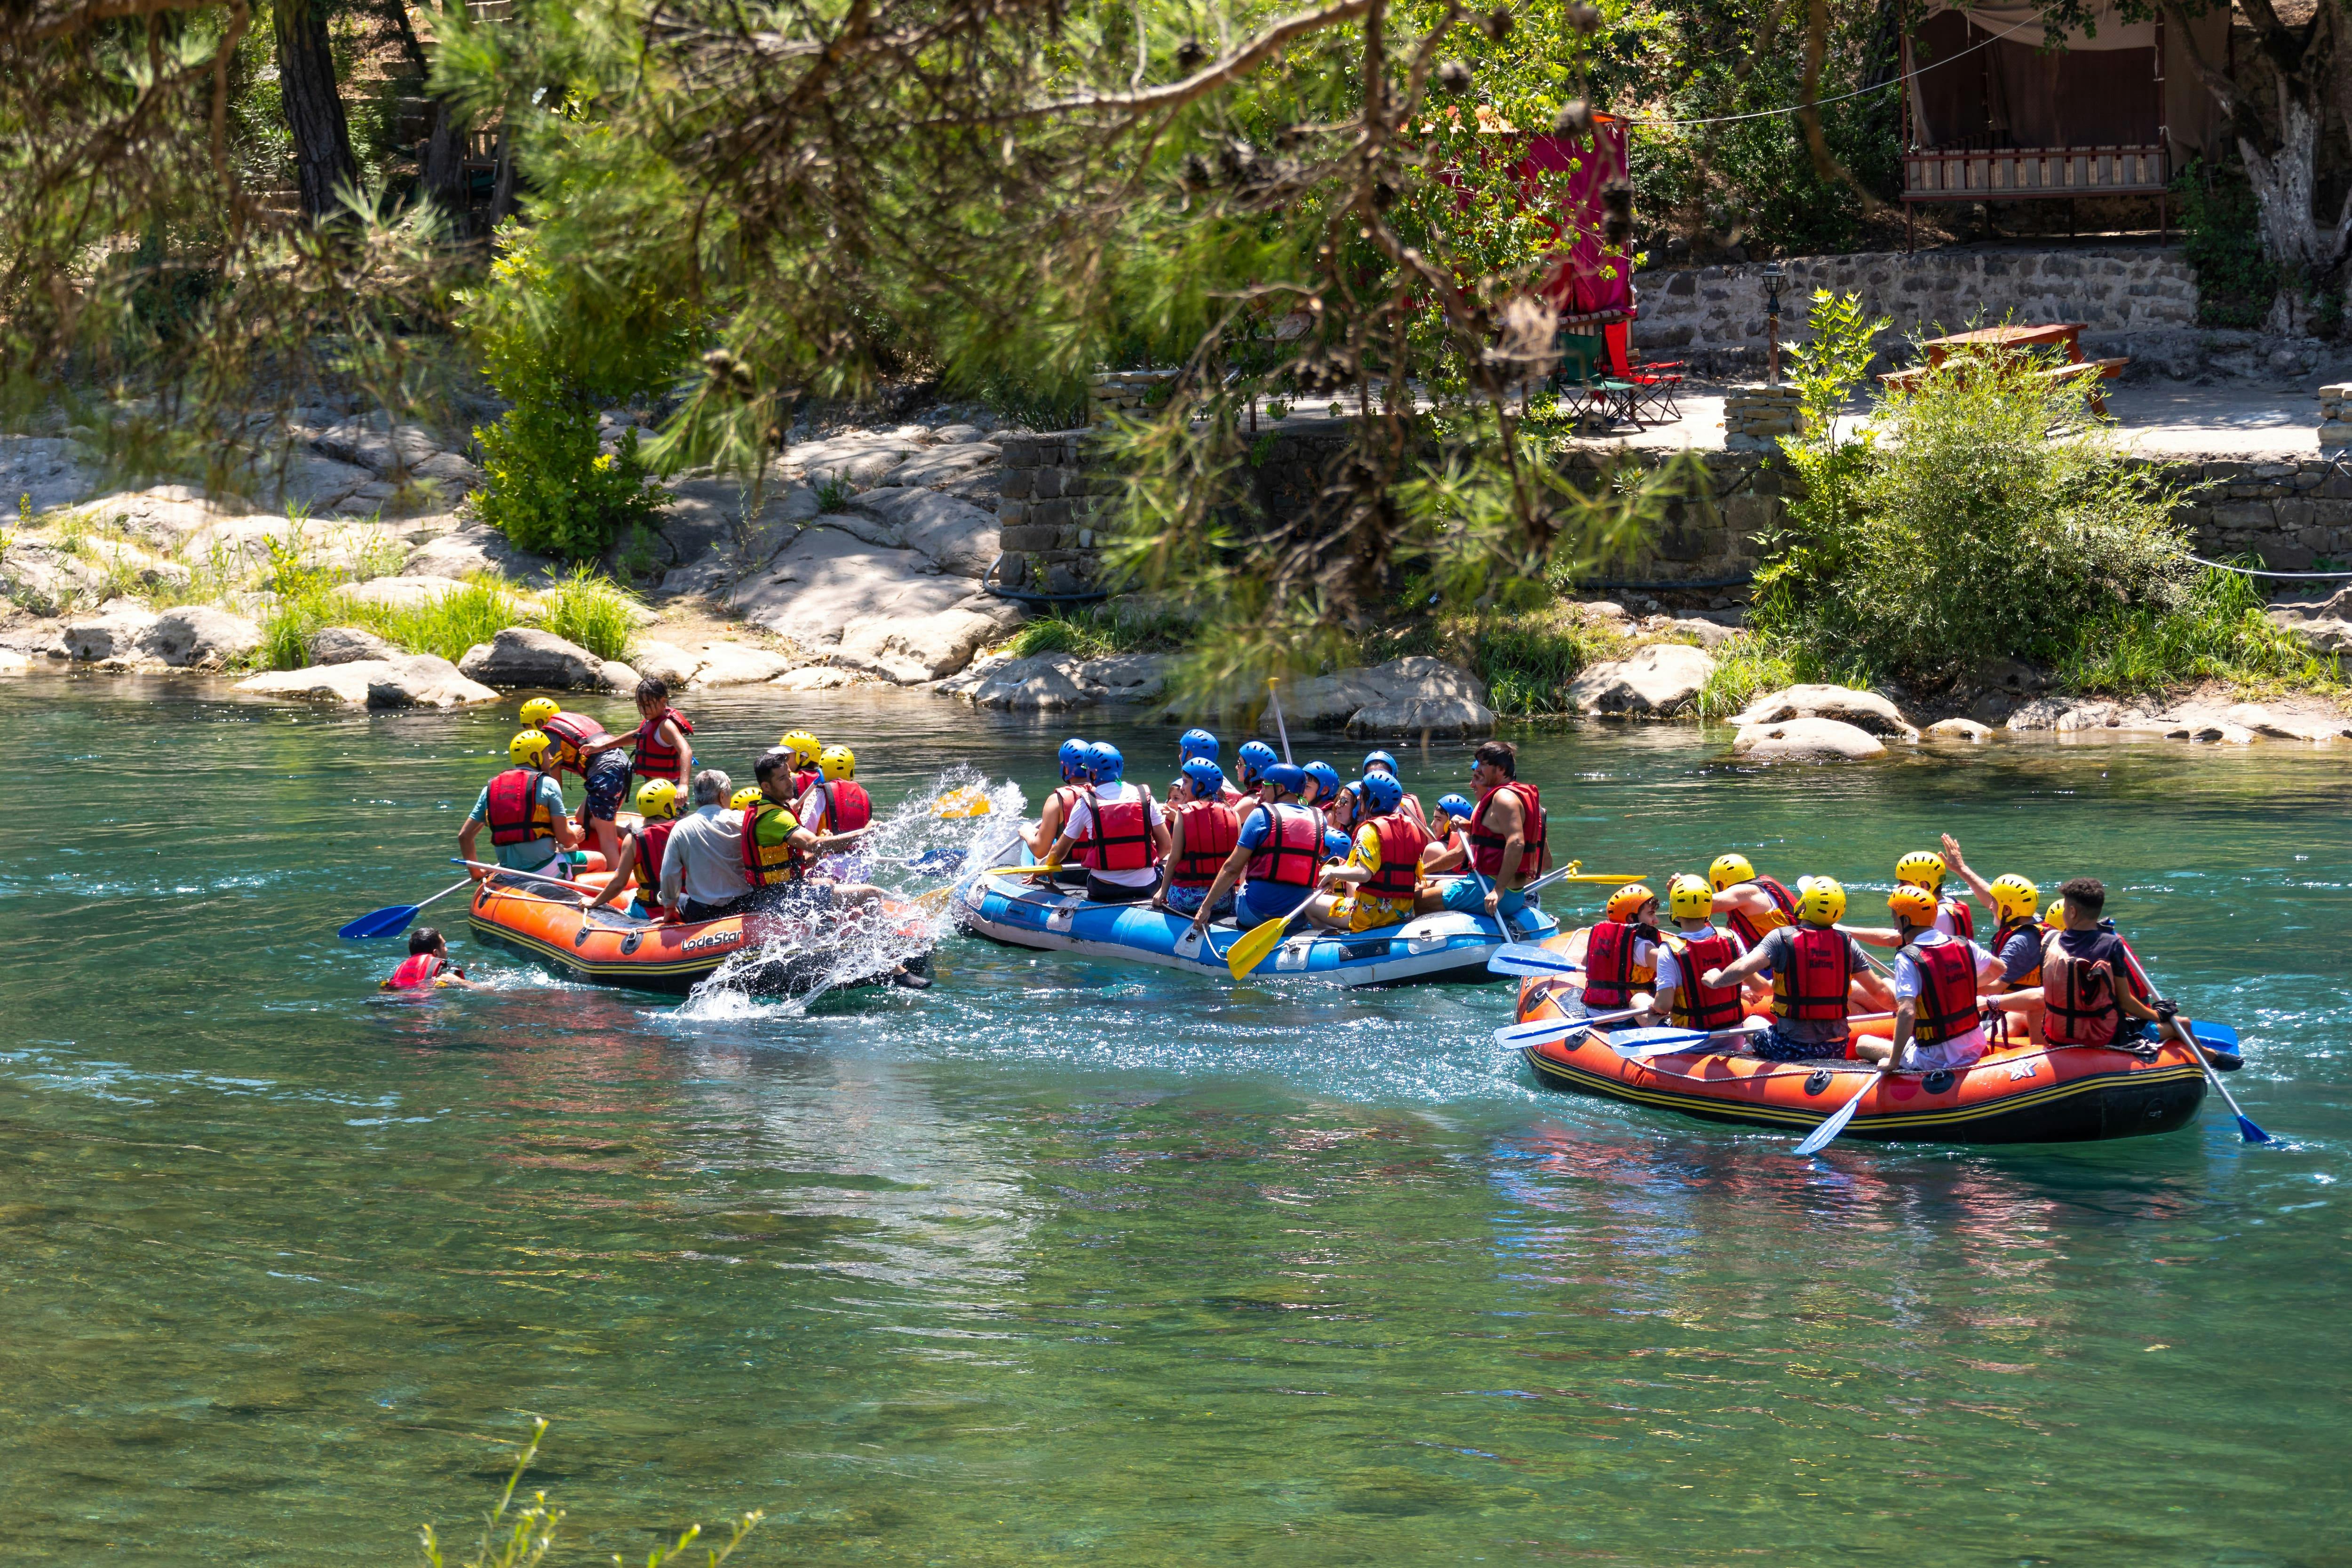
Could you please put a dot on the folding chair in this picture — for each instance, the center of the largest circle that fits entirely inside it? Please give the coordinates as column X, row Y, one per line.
column 1654, row 380
column 1584, row 364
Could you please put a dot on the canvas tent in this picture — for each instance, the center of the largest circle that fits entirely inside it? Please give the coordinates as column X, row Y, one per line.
column 1991, row 114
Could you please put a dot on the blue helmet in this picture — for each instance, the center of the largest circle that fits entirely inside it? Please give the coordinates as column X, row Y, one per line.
column 1335, row 844
column 1103, row 762
column 1383, row 791
column 1208, row 778
column 1073, row 759
column 1287, row 778
column 1255, row 759
column 1196, row 743
column 1326, row 777
column 1379, row 759
column 1454, row 806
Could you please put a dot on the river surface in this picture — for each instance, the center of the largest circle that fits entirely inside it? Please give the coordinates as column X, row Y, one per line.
column 1070, row 1261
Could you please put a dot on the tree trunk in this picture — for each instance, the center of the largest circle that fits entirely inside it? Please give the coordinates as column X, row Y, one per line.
column 314, row 109
column 445, row 160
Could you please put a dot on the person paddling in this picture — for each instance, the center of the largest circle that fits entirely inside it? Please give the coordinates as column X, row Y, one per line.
column 427, row 966
column 1691, row 949
column 1817, row 971
column 1116, row 831
column 640, row 864
column 523, row 809
column 1279, row 849
column 1202, row 829
column 1936, row 975
column 1054, row 816
column 2094, row 991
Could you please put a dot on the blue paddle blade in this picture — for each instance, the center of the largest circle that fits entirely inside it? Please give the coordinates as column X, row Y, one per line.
column 2253, row 1133
column 931, row 862
column 389, row 922
column 1512, row 1037
column 1650, row 1041
column 1821, row 1136
column 1526, row 958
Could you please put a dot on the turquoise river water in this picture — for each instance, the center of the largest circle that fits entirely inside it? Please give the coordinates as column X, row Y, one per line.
column 1070, row 1261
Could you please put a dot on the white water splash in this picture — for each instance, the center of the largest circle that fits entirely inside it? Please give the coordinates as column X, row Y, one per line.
column 911, row 852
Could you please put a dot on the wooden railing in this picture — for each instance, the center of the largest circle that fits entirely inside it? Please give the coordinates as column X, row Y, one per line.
column 2024, row 174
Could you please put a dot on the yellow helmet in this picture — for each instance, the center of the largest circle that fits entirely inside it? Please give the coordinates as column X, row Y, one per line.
column 539, row 710
column 1728, row 870
column 656, row 799
column 1822, row 903
column 2054, row 916
column 1628, row 901
column 743, row 797
column 2014, row 897
column 1913, row 905
column 1690, row 898
column 838, row 762
column 1921, row 868
column 528, row 746
column 804, row 746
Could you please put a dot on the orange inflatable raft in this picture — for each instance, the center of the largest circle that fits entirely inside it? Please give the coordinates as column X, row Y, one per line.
column 2015, row 1094
column 623, row 947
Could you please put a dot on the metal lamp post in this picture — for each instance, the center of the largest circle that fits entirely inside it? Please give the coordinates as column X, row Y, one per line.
column 1772, row 276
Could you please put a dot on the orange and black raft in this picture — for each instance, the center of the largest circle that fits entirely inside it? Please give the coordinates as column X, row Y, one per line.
column 622, row 948
column 2015, row 1094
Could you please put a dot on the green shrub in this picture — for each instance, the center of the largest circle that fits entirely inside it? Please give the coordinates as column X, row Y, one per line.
column 2219, row 631
column 1528, row 660
column 833, row 495
column 447, row 625
column 591, row 609
column 2221, row 238
column 1098, row 631
column 1986, row 517
column 559, row 342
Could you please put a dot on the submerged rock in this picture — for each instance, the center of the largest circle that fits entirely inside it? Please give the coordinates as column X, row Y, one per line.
column 410, row 680
column 1653, row 682
column 1960, row 729
column 1805, row 739
column 1865, row 711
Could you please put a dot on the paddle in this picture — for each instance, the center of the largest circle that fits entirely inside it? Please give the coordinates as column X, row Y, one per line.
column 1274, row 696
column 1637, row 1043
column 972, row 801
column 2246, row 1128
column 1526, row 958
column 526, row 875
column 931, row 862
column 1262, row 939
column 1820, row 1138
column 1039, row 870
column 393, row 919
column 1511, row 1036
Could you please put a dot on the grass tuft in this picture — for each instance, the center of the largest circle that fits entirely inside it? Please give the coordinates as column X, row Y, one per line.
column 591, row 609
column 2218, row 632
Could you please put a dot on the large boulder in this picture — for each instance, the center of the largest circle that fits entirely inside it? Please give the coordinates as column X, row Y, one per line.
column 911, row 649
column 664, row 661
column 526, row 656
column 1126, row 677
column 1865, row 711
column 738, row 664
column 200, row 637
column 477, row 548
column 1403, row 697
column 44, row 580
column 373, row 443
column 423, row 680
column 118, row 636
column 2278, row 726
column 1805, row 739
column 1047, row 683
column 1650, row 681
column 956, row 536
column 348, row 645
column 45, row 472
column 873, row 607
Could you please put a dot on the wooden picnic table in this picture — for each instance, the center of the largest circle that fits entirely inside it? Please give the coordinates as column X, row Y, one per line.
column 2020, row 338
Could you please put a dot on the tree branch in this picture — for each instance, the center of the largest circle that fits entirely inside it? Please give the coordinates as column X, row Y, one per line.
column 1209, row 78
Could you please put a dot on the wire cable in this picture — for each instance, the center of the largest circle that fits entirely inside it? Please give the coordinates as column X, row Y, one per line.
column 1841, row 98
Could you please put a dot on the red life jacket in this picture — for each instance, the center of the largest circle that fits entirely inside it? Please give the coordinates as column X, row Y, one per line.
column 2078, row 998
column 573, row 733
column 1811, row 989
column 1752, row 929
column 847, row 807
column 1948, row 991
column 764, row 865
column 655, row 758
column 1119, row 836
column 1704, row 1006
column 418, row 970
column 1291, row 854
column 1611, row 976
column 1211, row 829
column 1486, row 848
column 652, row 840
column 804, row 780
column 1964, row 920
column 516, row 814
column 1401, row 840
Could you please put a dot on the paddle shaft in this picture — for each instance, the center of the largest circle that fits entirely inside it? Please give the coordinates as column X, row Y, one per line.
column 1273, row 700
column 526, row 875
column 2186, row 1035
column 411, row 909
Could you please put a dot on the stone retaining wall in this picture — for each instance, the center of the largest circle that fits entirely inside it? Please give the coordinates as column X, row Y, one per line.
column 2293, row 510
column 2138, row 301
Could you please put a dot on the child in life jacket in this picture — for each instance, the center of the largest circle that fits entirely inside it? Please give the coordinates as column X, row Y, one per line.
column 427, row 967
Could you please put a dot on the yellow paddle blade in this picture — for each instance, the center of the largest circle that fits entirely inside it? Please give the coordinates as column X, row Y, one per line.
column 972, row 801
column 934, row 901
column 1021, row 871
column 1251, row 951
column 1602, row 876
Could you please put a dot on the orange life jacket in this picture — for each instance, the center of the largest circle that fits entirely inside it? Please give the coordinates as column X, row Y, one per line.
column 1291, row 854
column 2078, row 996
column 1119, row 836
column 573, row 733
column 847, row 807
column 656, row 757
column 2012, row 928
column 417, row 971
column 652, row 840
column 1964, row 919
column 1611, row 976
column 768, row 864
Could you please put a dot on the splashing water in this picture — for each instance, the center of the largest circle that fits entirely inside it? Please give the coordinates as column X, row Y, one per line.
column 914, row 854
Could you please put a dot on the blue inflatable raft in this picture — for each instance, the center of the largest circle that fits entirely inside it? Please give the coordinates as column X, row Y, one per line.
column 1025, row 912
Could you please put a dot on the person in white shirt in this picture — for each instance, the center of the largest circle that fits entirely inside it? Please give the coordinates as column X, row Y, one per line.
column 702, row 867
column 1116, row 832
column 1937, row 981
